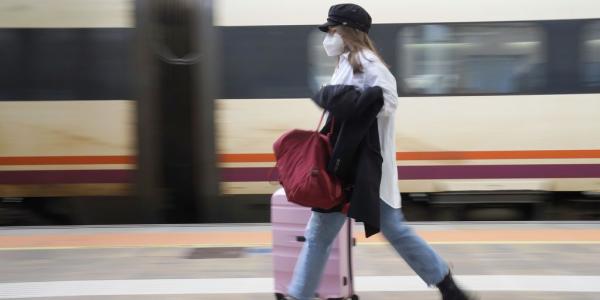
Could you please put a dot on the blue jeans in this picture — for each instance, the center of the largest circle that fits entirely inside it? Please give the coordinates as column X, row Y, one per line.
column 323, row 228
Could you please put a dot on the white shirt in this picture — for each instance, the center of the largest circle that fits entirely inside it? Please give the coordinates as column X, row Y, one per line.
column 375, row 73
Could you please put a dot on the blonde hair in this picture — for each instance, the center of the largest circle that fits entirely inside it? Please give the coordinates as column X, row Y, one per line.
column 356, row 41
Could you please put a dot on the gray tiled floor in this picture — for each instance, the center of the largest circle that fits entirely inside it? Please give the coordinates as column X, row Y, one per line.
column 370, row 260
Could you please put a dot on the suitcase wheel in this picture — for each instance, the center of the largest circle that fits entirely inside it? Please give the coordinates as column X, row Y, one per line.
column 354, row 297
column 279, row 296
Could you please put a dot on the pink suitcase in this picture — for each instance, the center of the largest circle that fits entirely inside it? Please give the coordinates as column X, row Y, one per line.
column 289, row 222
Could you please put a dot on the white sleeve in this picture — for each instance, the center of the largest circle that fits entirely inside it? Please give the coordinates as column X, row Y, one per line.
column 379, row 75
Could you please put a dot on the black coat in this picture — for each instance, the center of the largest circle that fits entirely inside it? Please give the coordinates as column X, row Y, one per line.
column 356, row 159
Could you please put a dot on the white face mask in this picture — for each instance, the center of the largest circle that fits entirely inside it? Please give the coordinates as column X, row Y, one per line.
column 333, row 44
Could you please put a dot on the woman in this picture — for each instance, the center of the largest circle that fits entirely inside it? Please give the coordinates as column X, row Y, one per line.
column 360, row 66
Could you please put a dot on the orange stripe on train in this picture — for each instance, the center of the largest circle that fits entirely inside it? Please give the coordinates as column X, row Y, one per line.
column 443, row 155
column 525, row 154
column 269, row 157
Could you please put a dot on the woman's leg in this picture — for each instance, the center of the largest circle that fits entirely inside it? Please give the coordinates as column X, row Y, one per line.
column 413, row 249
column 321, row 231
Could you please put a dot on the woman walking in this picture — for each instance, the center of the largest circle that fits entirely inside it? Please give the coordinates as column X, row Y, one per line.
column 362, row 96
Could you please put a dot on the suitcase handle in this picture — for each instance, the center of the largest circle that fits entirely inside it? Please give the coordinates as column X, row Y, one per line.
column 300, row 239
column 351, row 243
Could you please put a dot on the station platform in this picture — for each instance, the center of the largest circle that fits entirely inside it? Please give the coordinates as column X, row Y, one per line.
column 520, row 260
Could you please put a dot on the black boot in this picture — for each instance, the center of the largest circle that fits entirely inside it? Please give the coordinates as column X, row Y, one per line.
column 450, row 291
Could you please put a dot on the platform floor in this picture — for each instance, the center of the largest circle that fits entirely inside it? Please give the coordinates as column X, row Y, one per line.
column 231, row 262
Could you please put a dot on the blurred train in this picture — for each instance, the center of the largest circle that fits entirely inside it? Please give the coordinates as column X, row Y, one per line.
column 499, row 101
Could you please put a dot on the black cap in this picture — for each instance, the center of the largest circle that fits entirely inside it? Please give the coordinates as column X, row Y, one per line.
column 347, row 14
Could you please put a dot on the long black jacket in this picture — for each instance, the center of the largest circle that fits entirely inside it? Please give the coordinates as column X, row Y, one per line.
column 356, row 158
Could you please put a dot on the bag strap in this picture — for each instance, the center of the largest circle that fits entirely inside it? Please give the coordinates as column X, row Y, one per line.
column 321, row 122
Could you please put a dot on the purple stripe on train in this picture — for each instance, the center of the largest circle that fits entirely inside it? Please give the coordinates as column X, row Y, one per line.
column 66, row 176
column 268, row 174
column 448, row 172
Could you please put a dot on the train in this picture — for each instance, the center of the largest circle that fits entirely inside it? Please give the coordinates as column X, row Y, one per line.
column 498, row 103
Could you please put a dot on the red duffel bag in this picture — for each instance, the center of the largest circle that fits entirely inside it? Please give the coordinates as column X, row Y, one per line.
column 302, row 158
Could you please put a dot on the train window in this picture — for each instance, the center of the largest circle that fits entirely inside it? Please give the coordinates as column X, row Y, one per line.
column 321, row 66
column 591, row 55
column 471, row 58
